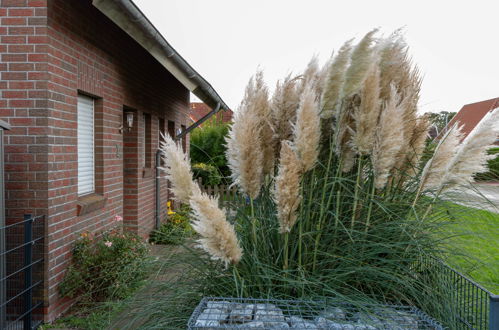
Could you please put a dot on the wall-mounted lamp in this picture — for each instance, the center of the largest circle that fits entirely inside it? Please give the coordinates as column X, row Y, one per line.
column 129, row 120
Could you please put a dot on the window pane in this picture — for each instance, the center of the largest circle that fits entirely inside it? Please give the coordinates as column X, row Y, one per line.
column 86, row 167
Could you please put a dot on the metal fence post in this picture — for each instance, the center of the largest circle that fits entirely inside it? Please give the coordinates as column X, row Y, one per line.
column 494, row 312
column 28, row 271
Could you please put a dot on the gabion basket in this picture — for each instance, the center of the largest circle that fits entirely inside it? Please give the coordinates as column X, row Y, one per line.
column 246, row 313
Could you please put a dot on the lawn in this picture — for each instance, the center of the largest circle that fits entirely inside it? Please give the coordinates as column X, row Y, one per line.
column 475, row 244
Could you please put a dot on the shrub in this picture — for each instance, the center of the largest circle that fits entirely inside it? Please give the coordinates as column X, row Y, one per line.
column 209, row 174
column 339, row 202
column 110, row 266
column 175, row 230
column 207, row 146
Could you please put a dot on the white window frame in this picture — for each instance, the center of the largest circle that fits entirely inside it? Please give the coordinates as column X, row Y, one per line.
column 87, row 187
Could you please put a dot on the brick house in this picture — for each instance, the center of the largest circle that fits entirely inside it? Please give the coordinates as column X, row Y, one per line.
column 72, row 73
column 199, row 109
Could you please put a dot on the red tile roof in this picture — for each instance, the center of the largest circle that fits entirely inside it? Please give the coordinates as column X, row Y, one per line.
column 198, row 110
column 471, row 114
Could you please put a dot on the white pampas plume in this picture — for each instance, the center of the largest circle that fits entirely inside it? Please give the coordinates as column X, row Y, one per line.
column 307, row 129
column 435, row 169
column 244, row 154
column 389, row 138
column 333, row 84
column 218, row 237
column 471, row 156
column 177, row 167
column 287, row 187
column 367, row 114
column 361, row 59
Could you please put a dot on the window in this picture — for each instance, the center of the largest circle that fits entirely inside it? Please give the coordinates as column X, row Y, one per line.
column 86, row 159
column 146, row 141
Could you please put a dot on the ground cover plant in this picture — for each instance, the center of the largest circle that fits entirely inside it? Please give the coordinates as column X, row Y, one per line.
column 337, row 200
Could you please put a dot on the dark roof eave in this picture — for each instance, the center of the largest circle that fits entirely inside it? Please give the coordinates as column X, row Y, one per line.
column 130, row 18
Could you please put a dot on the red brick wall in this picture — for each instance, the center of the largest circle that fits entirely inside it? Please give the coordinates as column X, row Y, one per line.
column 45, row 63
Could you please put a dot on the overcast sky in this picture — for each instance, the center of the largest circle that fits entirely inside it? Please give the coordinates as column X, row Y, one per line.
column 455, row 43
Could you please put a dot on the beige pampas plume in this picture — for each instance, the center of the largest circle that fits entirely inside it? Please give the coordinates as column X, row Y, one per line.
column 417, row 143
column 287, row 187
column 218, row 237
column 396, row 67
column 362, row 57
column 260, row 105
column 307, row 129
column 471, row 156
column 389, row 138
column 333, row 84
column 435, row 169
column 313, row 76
column 177, row 167
column 367, row 114
column 284, row 104
column 244, row 154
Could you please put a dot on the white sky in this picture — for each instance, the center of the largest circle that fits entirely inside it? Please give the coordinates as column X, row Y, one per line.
column 455, row 43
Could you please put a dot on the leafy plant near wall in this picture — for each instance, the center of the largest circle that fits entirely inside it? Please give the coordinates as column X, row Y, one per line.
column 207, row 146
column 109, row 266
column 338, row 201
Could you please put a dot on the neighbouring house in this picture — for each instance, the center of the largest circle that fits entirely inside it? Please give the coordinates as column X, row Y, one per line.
column 199, row 109
column 471, row 114
column 87, row 86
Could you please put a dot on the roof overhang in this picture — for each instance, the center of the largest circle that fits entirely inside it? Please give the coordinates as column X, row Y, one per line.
column 130, row 19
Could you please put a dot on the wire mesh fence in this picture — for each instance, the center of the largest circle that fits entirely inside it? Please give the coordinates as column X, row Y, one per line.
column 21, row 276
column 246, row 313
column 471, row 305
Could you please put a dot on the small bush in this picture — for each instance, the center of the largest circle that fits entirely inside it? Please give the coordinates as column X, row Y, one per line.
column 107, row 267
column 175, row 230
column 208, row 173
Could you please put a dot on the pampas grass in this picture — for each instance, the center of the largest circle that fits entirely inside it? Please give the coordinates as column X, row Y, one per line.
column 333, row 84
column 177, row 168
column 436, row 167
column 342, row 217
column 284, row 104
column 360, row 62
column 366, row 116
column 287, row 188
column 244, row 155
column 218, row 237
column 389, row 138
column 307, row 129
column 260, row 105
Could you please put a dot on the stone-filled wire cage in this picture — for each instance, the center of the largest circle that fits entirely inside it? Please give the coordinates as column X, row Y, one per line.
column 245, row 313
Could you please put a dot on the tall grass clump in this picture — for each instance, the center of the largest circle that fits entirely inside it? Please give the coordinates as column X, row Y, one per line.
column 335, row 202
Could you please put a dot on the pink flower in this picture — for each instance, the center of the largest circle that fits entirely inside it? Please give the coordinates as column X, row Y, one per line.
column 118, row 218
column 108, row 244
